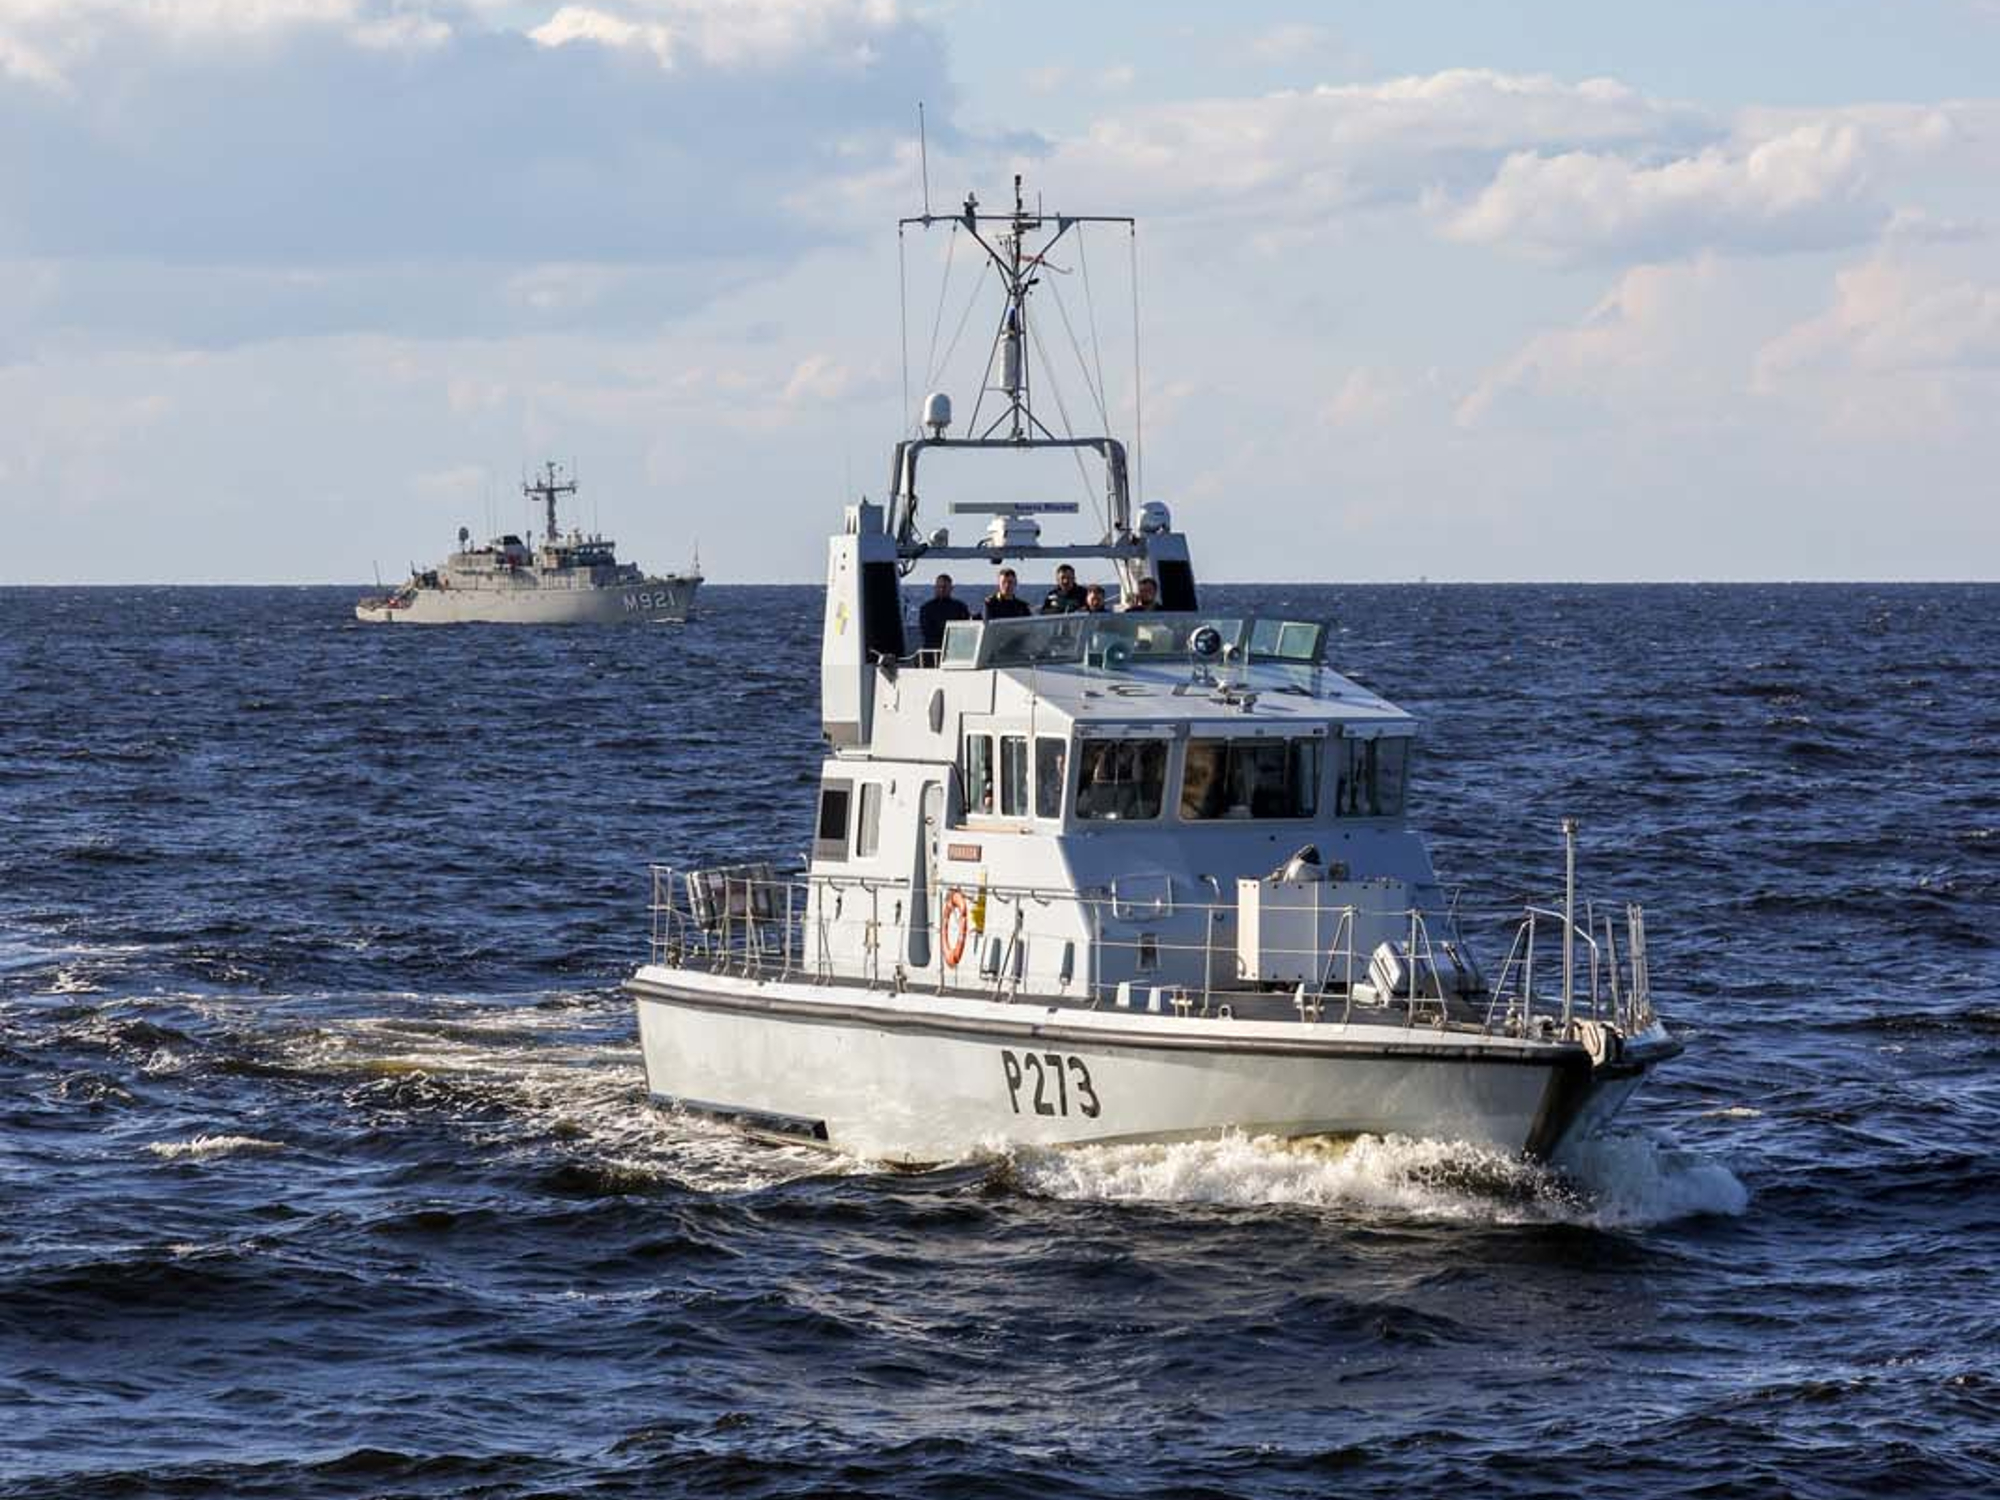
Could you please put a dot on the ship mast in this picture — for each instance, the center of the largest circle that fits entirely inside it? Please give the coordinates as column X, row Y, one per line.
column 1017, row 244
column 546, row 488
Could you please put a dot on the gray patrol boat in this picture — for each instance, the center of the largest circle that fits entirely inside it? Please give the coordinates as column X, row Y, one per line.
column 571, row 579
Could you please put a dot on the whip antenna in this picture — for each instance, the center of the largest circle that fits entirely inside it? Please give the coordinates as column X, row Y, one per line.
column 924, row 158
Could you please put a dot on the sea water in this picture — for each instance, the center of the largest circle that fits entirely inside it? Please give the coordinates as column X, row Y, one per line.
column 326, row 1167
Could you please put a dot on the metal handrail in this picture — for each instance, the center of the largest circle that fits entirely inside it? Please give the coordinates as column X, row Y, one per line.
column 753, row 933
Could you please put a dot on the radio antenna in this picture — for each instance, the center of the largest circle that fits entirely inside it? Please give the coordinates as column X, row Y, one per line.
column 924, row 158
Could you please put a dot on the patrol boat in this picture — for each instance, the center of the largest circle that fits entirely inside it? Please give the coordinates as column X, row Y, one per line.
column 1092, row 878
column 571, row 579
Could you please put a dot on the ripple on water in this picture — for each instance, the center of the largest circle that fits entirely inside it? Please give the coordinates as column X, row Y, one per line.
column 327, row 1168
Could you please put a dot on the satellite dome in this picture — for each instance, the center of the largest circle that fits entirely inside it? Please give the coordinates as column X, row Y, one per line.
column 937, row 412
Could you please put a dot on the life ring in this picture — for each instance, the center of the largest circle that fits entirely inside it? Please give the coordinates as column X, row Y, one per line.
column 956, row 931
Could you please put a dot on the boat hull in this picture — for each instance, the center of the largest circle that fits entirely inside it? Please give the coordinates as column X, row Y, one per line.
column 645, row 601
column 917, row 1079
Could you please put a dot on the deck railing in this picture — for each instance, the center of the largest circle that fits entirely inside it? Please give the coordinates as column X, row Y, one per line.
column 752, row 921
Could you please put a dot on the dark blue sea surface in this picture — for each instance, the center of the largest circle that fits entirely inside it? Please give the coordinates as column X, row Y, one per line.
column 326, row 1167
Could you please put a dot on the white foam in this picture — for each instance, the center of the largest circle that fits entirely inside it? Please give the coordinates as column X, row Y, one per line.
column 1621, row 1182
column 1634, row 1180
column 527, row 1061
column 205, row 1147
column 1428, row 1179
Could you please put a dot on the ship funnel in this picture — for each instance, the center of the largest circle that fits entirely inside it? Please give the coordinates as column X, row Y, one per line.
column 937, row 413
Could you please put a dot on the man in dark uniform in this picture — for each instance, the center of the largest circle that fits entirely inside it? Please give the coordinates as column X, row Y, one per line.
column 1065, row 598
column 939, row 611
column 1148, row 600
column 1004, row 603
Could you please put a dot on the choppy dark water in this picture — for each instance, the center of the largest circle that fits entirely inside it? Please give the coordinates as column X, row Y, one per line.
column 324, row 1167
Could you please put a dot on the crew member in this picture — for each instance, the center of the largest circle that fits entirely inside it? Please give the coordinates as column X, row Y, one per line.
column 1004, row 603
column 1149, row 597
column 939, row 611
column 1065, row 598
column 1093, row 599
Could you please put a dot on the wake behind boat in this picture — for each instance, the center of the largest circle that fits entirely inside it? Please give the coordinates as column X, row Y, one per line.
column 571, row 579
column 1097, row 877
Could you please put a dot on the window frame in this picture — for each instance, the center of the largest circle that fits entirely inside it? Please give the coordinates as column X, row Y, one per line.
column 975, row 805
column 1009, row 747
column 1136, row 743
column 1311, row 786
column 868, row 821
column 825, row 846
column 1061, row 784
column 1359, row 750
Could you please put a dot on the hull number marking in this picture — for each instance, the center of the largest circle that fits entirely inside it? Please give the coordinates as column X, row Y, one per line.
column 1049, row 1083
column 662, row 600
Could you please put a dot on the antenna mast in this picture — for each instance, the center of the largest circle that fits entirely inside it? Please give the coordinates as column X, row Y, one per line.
column 545, row 489
column 1020, row 270
column 924, row 158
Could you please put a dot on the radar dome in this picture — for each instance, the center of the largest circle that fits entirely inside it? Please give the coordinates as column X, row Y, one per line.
column 937, row 412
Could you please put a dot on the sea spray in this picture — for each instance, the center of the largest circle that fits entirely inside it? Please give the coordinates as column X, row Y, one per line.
column 1619, row 1182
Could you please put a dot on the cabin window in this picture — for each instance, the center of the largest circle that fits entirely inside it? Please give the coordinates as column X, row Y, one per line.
column 1373, row 775
column 830, row 835
column 1263, row 778
column 1013, row 776
column 1118, row 780
column 868, row 828
column 979, row 773
column 1051, row 764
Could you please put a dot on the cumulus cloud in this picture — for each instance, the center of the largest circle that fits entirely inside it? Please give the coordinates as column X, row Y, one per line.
column 362, row 163
column 1887, row 318
column 1309, row 154
column 737, row 34
column 1562, row 171
column 1655, row 328
column 1808, row 189
column 1813, row 186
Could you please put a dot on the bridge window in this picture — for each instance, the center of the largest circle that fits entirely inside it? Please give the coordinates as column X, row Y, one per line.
column 1014, row 776
column 1119, row 780
column 1260, row 778
column 868, row 829
column 830, row 834
column 1051, row 762
column 1373, row 775
column 979, row 773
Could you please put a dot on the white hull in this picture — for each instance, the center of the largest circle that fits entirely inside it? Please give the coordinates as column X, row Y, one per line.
column 916, row 1079
column 644, row 601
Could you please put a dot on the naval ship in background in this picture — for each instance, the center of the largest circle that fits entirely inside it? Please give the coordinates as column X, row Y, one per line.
column 570, row 579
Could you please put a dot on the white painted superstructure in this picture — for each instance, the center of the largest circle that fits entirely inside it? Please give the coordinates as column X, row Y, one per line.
column 1088, row 877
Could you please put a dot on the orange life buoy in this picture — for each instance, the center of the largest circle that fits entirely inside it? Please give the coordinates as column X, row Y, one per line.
column 957, row 925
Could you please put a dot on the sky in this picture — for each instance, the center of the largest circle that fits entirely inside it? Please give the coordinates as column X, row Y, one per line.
column 1459, row 289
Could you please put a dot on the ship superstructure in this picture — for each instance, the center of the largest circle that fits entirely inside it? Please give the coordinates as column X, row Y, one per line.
column 570, row 578
column 1089, row 877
